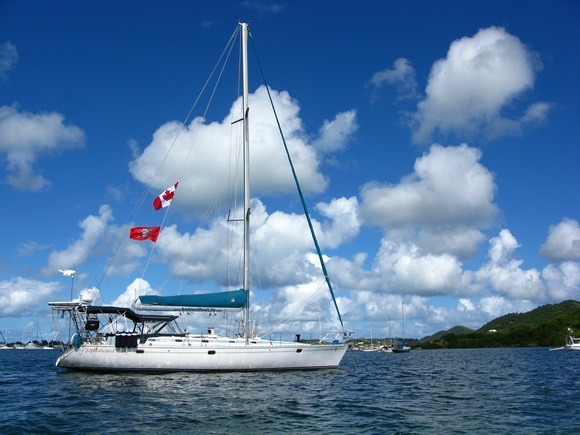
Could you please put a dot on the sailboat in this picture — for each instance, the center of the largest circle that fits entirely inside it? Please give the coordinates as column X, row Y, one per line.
column 401, row 347
column 4, row 345
column 389, row 347
column 147, row 337
column 372, row 348
column 34, row 344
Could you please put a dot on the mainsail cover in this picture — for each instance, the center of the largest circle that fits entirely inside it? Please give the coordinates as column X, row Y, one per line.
column 230, row 299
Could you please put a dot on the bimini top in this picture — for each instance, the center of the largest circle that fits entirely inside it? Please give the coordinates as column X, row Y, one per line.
column 128, row 313
column 234, row 299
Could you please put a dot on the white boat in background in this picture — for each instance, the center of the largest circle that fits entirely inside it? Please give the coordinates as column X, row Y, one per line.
column 4, row 345
column 572, row 343
column 373, row 347
column 36, row 344
column 32, row 346
column 389, row 347
column 132, row 339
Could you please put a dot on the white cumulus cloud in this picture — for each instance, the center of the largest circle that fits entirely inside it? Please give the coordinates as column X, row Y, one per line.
column 413, row 271
column 26, row 137
column 22, row 296
column 210, row 156
column 504, row 275
column 401, row 77
column 345, row 220
column 562, row 280
column 138, row 287
column 442, row 206
column 496, row 306
column 334, row 135
column 468, row 90
column 77, row 253
column 465, row 305
column 98, row 237
column 563, row 241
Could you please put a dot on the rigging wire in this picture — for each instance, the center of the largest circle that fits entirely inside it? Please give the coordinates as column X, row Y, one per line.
column 121, row 235
column 223, row 60
column 234, row 156
column 225, row 53
column 215, row 204
column 112, row 253
column 304, row 206
column 291, row 317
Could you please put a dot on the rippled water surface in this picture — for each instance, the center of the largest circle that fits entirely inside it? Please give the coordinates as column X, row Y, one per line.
column 438, row 391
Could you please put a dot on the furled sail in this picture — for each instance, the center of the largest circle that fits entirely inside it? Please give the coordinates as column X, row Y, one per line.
column 234, row 299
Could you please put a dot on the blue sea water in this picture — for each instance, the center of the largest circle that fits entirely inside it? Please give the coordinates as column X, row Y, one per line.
column 479, row 391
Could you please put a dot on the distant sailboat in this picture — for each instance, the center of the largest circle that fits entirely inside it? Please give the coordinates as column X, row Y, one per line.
column 401, row 347
column 389, row 347
column 155, row 342
column 35, row 344
column 4, row 344
column 373, row 347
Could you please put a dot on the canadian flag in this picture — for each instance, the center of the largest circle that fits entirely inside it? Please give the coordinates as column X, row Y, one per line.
column 144, row 233
column 165, row 198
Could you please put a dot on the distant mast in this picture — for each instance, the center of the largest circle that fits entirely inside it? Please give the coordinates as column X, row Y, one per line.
column 246, row 178
column 403, row 319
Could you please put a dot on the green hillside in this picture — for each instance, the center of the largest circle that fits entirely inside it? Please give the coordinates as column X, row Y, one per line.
column 543, row 314
column 457, row 330
column 544, row 326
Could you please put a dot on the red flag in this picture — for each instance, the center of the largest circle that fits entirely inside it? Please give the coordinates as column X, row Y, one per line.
column 165, row 198
column 144, row 233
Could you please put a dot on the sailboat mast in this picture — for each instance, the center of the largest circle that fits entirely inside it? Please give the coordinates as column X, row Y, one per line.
column 403, row 319
column 246, row 140
column 390, row 333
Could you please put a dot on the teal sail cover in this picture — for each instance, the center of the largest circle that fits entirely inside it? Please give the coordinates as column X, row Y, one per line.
column 230, row 299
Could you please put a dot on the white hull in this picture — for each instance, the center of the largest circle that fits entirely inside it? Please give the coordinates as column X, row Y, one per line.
column 32, row 347
column 575, row 347
column 572, row 343
column 183, row 354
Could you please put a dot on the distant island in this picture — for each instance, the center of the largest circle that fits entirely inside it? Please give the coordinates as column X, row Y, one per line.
column 544, row 326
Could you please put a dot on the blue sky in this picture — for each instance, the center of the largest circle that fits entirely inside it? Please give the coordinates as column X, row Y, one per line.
column 437, row 143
